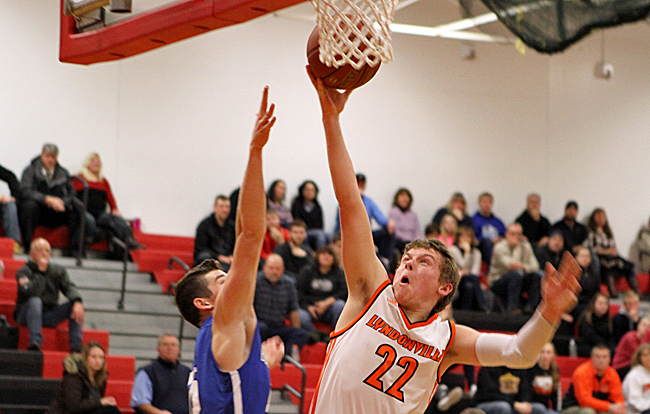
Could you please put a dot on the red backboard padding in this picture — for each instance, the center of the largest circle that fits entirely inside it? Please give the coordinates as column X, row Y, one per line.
column 158, row 27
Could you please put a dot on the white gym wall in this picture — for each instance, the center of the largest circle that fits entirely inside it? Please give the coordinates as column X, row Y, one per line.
column 173, row 125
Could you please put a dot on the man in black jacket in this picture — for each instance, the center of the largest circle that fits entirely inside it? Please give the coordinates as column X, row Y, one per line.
column 215, row 235
column 39, row 284
column 48, row 197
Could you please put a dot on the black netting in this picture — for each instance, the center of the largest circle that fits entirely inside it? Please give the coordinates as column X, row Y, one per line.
column 550, row 26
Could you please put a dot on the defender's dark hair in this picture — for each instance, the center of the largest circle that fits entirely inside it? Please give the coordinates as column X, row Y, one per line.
column 193, row 285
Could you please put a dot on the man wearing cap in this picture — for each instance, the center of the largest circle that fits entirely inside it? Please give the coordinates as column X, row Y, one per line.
column 574, row 232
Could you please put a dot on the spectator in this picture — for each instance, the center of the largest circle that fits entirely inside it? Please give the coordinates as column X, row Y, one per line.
column 307, row 208
column 468, row 258
column 47, row 198
column 84, row 384
column 535, row 226
column 640, row 253
column 575, row 233
column 161, row 386
column 612, row 265
column 432, row 231
column 545, row 380
column 489, row 229
column 515, row 271
column 589, row 281
column 383, row 238
column 503, row 390
column 39, row 284
column 8, row 208
column 407, row 225
column 336, row 248
column 636, row 386
column 276, row 299
column 322, row 290
column 295, row 253
column 595, row 326
column 595, row 387
column 215, row 235
column 551, row 251
column 628, row 345
column 275, row 234
column 275, row 198
column 448, row 230
column 102, row 216
column 457, row 206
column 627, row 317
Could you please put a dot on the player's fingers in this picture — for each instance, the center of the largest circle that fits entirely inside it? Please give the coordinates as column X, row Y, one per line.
column 549, row 271
column 265, row 97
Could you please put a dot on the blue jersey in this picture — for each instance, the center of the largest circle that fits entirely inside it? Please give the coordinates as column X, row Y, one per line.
column 212, row 391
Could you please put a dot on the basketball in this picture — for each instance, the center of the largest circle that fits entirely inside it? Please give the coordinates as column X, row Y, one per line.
column 344, row 77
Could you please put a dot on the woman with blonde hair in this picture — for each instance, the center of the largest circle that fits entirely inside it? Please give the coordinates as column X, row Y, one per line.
column 545, row 378
column 636, row 385
column 84, row 384
column 457, row 207
column 103, row 217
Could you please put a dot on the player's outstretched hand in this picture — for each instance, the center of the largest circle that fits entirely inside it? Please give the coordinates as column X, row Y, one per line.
column 560, row 288
column 264, row 122
column 273, row 349
column 332, row 101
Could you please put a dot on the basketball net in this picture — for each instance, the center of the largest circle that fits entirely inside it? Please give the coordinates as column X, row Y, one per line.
column 354, row 31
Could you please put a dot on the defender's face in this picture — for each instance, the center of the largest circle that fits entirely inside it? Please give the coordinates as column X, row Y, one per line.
column 215, row 280
column 417, row 280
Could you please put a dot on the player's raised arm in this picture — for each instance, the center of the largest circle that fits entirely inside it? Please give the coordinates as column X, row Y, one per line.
column 363, row 270
column 233, row 315
column 559, row 295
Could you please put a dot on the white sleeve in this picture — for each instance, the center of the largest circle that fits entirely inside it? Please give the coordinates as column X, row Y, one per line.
column 515, row 351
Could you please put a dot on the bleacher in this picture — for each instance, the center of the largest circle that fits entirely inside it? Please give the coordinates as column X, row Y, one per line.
column 156, row 260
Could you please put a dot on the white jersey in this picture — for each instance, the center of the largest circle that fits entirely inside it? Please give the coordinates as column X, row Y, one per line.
column 382, row 363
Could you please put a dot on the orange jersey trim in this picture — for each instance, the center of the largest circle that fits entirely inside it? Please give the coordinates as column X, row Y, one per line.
column 330, row 346
column 363, row 312
column 410, row 325
column 452, row 327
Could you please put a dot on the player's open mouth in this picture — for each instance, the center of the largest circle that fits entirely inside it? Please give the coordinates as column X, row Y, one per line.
column 405, row 280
